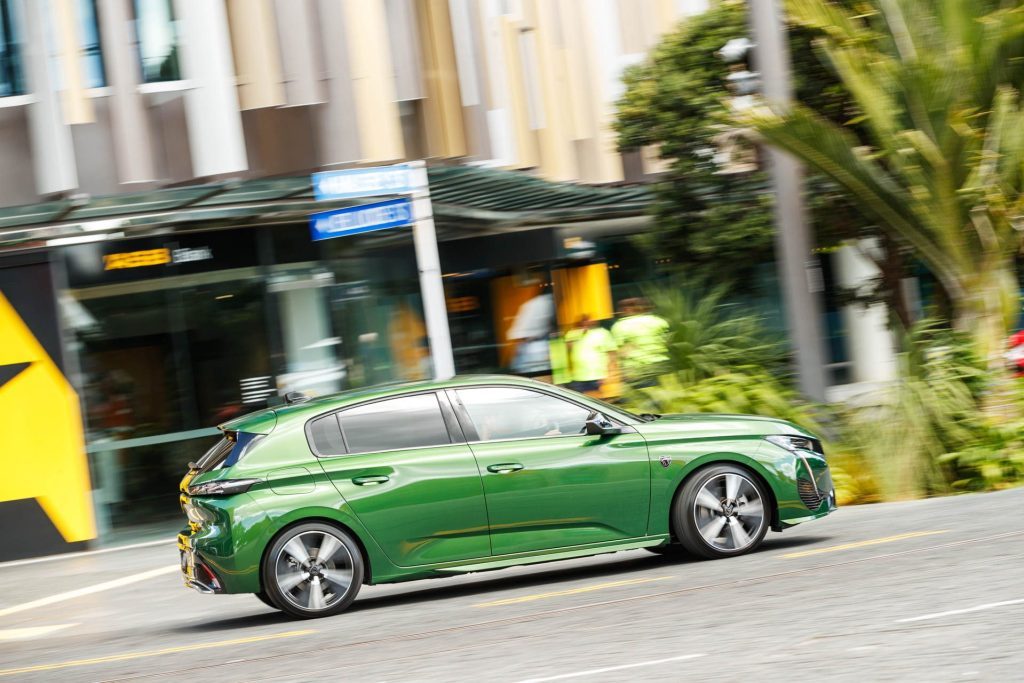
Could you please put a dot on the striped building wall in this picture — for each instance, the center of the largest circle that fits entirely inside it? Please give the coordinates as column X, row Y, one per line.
column 269, row 87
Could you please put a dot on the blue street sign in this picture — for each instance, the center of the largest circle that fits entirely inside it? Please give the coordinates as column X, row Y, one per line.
column 353, row 220
column 363, row 182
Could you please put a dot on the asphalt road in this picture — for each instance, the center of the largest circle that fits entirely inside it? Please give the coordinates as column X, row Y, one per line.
column 921, row 591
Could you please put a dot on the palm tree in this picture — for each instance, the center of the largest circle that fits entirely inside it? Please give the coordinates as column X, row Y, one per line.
column 940, row 160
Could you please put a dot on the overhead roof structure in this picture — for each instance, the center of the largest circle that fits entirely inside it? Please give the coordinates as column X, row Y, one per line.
column 467, row 200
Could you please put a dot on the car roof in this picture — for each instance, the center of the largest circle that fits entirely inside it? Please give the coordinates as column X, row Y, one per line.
column 341, row 399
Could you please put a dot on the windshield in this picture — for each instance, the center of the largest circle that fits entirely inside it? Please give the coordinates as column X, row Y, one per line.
column 615, row 410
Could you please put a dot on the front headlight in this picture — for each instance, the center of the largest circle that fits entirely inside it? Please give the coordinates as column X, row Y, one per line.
column 794, row 443
column 224, row 487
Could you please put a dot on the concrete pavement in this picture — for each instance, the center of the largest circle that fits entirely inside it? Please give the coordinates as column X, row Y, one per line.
column 925, row 590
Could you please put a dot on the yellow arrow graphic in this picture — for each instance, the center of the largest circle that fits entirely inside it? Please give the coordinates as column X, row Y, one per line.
column 42, row 452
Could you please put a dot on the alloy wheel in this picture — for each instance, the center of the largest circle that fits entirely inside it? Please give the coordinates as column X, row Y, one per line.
column 314, row 570
column 728, row 512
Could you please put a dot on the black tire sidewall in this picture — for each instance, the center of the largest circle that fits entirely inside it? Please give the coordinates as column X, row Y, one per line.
column 273, row 592
column 685, row 526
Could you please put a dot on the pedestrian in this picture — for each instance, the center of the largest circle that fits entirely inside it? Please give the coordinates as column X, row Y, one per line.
column 642, row 340
column 590, row 350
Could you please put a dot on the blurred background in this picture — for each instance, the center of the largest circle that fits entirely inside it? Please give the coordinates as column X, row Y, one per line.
column 811, row 212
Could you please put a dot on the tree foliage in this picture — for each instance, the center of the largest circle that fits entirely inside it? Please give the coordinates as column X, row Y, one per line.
column 717, row 224
column 938, row 157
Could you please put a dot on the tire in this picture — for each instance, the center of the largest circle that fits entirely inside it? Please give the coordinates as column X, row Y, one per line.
column 302, row 583
column 265, row 600
column 721, row 512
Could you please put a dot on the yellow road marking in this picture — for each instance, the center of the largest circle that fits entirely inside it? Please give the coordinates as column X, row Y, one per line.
column 861, row 544
column 151, row 653
column 570, row 591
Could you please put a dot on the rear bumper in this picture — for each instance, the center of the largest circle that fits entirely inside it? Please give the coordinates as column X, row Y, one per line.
column 195, row 571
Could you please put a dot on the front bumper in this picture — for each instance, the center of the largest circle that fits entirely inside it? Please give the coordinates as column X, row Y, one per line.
column 808, row 492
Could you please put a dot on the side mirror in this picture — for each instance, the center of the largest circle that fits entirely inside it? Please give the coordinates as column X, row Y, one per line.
column 599, row 425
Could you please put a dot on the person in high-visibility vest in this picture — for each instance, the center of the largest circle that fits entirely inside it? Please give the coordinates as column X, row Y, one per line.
column 591, row 351
column 642, row 339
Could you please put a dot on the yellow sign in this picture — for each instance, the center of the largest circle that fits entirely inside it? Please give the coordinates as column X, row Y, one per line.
column 137, row 259
column 42, row 452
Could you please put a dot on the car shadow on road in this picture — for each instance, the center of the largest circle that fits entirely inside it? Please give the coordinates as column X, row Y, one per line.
column 777, row 543
column 428, row 590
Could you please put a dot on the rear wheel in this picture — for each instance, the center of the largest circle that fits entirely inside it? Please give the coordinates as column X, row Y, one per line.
column 721, row 512
column 313, row 570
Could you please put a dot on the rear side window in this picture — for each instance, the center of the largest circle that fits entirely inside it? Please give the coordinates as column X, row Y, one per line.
column 325, row 435
column 227, row 451
column 406, row 422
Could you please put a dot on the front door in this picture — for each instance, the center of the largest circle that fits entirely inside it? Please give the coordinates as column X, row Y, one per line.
column 547, row 483
column 398, row 465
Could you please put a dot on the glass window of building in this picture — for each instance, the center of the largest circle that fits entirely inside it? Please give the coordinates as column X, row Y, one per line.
column 89, row 37
column 175, row 334
column 157, row 37
column 11, row 78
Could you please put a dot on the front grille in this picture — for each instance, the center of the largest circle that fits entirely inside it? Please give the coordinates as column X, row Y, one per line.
column 808, row 494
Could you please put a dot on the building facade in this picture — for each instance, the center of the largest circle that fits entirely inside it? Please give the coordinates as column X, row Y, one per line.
column 157, row 272
column 172, row 91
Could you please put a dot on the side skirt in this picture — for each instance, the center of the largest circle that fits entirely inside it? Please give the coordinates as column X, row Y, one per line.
column 504, row 561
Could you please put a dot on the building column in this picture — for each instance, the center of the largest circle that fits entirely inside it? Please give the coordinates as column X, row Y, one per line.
column 868, row 338
column 373, row 80
column 129, row 124
column 256, row 52
column 52, row 146
column 215, row 135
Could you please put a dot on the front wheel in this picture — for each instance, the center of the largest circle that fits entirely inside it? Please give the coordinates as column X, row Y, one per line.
column 313, row 570
column 721, row 512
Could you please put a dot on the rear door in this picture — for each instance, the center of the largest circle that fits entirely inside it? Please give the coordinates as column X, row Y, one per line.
column 405, row 470
column 548, row 484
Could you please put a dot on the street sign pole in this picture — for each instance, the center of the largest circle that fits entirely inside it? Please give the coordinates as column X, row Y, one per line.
column 428, row 262
column 404, row 180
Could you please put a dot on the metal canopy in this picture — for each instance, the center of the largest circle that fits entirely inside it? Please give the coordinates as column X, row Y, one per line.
column 467, row 200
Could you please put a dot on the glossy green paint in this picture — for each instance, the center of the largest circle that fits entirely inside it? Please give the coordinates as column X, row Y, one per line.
column 431, row 508
column 571, row 490
column 441, row 510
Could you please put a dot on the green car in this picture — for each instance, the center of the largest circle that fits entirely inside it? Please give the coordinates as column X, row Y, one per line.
column 304, row 503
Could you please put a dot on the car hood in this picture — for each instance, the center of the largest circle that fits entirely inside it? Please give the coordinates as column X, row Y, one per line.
column 699, row 425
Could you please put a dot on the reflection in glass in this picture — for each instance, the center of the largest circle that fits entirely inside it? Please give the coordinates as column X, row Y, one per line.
column 160, row 358
column 407, row 422
column 509, row 413
column 11, row 81
column 89, row 35
column 158, row 40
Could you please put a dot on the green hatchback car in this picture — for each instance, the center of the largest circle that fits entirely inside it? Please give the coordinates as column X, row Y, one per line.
column 304, row 503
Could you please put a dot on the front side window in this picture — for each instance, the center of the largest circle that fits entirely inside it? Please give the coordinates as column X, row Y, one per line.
column 11, row 81
column 406, row 422
column 512, row 413
column 158, row 40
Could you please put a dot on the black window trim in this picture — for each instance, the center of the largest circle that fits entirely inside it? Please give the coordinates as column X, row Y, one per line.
column 472, row 437
column 451, row 424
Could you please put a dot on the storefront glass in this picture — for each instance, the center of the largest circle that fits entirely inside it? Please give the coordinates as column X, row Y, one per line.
column 173, row 336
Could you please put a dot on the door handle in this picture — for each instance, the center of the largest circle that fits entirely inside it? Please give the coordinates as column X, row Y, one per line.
column 371, row 480
column 505, row 468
